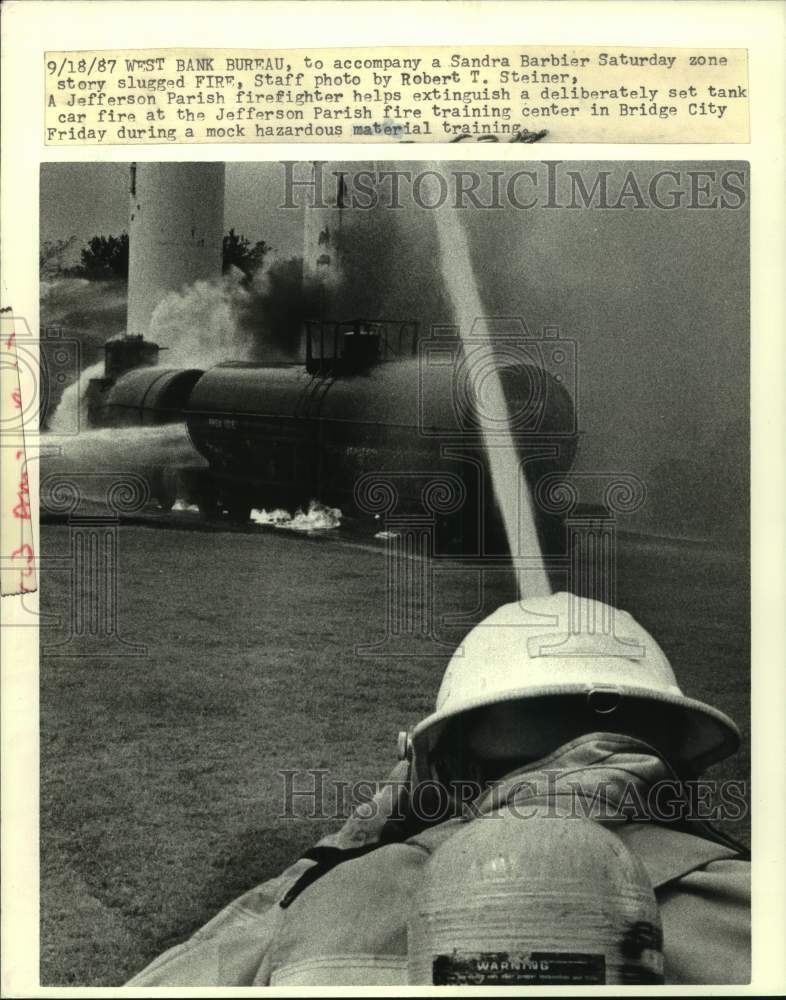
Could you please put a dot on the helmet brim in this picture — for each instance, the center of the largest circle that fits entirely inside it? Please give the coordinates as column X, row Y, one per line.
column 694, row 735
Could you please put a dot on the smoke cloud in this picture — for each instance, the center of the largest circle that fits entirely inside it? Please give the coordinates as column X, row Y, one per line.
column 91, row 311
column 71, row 411
column 236, row 319
column 239, row 318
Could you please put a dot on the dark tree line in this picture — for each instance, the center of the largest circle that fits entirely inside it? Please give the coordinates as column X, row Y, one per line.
column 106, row 257
column 238, row 252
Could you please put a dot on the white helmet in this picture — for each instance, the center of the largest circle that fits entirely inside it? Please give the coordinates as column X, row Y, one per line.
column 603, row 669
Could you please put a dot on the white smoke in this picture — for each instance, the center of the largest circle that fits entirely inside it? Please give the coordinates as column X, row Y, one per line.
column 199, row 325
column 71, row 412
column 209, row 322
column 49, row 288
column 238, row 318
column 90, row 311
column 121, row 448
column 317, row 518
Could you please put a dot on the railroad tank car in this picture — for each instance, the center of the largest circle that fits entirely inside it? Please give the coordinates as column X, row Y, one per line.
column 368, row 408
column 133, row 390
column 369, row 411
column 145, row 397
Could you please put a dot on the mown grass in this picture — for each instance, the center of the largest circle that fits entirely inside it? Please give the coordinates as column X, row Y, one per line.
column 160, row 788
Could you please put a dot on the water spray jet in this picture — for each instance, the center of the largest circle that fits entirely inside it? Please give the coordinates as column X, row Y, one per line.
column 509, row 484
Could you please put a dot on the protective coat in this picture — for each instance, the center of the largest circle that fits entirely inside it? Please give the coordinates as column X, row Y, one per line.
column 343, row 922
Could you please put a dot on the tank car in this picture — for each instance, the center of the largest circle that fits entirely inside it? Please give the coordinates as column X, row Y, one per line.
column 369, row 409
column 134, row 391
column 369, row 414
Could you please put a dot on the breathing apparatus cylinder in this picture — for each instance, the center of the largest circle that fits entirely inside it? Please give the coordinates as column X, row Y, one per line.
column 512, row 899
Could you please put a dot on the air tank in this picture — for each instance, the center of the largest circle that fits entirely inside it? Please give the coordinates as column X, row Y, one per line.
column 176, row 226
column 518, row 899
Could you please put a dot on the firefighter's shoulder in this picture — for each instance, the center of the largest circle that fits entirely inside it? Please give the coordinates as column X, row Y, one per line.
column 349, row 927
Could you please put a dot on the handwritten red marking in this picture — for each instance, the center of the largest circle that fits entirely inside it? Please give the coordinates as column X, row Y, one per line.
column 22, row 509
column 23, row 557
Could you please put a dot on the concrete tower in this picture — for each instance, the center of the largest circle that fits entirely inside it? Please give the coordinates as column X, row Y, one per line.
column 322, row 235
column 175, row 233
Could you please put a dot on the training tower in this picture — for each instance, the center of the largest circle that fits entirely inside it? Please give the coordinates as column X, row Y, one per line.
column 322, row 236
column 176, row 226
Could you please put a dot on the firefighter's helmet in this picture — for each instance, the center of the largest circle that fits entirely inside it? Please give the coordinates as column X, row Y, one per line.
column 594, row 662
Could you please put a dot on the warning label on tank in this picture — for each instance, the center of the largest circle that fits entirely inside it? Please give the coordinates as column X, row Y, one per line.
column 501, row 968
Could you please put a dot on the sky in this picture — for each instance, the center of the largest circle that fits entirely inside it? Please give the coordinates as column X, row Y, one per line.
column 89, row 199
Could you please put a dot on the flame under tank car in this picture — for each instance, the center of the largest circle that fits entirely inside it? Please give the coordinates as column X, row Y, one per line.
column 377, row 424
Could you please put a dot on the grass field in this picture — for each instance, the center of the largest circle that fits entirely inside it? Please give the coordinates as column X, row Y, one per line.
column 160, row 791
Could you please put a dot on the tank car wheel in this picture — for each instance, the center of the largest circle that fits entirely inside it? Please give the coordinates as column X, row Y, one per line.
column 207, row 501
column 238, row 509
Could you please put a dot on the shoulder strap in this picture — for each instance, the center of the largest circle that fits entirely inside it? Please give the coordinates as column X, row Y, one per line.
column 670, row 854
